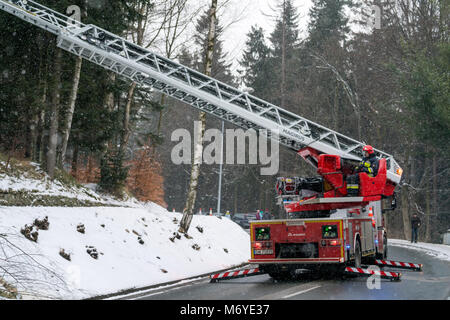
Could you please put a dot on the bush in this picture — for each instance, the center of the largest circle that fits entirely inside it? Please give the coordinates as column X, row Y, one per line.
column 113, row 174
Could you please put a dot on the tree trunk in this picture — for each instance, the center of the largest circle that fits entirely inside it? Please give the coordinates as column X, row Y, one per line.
column 161, row 102
column 283, row 59
column 405, row 214
column 431, row 202
column 236, row 186
column 427, row 215
column 405, row 207
column 70, row 111
column 54, row 114
column 198, row 149
column 126, row 131
column 75, row 161
column 434, row 196
column 40, row 140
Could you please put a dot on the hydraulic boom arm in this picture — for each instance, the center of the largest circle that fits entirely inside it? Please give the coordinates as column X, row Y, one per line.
column 189, row 86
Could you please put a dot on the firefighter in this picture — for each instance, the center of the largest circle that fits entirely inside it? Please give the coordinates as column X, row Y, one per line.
column 415, row 224
column 369, row 165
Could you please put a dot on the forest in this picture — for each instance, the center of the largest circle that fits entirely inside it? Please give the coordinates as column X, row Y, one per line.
column 386, row 84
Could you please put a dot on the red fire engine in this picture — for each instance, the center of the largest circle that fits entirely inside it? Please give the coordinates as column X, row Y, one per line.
column 326, row 230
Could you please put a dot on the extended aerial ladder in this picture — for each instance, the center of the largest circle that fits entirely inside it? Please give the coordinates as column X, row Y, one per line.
column 310, row 140
column 204, row 93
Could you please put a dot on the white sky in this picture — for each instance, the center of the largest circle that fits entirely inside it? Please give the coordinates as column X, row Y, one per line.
column 239, row 15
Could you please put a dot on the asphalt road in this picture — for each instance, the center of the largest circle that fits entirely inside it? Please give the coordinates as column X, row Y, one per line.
column 431, row 283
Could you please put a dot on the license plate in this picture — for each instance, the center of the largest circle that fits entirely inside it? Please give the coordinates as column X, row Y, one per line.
column 268, row 251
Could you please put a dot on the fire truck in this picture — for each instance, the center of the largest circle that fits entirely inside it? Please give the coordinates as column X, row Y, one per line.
column 326, row 230
column 324, row 227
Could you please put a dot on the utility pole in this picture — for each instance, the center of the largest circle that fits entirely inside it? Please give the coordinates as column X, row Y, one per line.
column 219, row 194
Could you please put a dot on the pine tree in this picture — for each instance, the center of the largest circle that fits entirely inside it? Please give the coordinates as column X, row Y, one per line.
column 284, row 40
column 427, row 93
column 220, row 69
column 255, row 62
column 327, row 22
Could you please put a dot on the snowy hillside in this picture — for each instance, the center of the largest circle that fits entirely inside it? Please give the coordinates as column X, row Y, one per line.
column 111, row 249
column 62, row 240
column 440, row 251
column 25, row 184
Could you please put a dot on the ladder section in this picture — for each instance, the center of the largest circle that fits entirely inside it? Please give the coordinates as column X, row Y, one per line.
column 189, row 86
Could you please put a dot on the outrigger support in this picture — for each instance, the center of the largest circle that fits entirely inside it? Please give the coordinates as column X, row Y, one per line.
column 393, row 276
column 235, row 274
column 400, row 265
column 366, row 271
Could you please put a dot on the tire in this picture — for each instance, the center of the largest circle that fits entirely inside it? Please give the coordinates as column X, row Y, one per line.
column 358, row 255
column 382, row 256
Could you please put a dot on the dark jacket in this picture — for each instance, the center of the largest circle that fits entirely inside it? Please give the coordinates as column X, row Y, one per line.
column 267, row 216
column 368, row 165
column 415, row 222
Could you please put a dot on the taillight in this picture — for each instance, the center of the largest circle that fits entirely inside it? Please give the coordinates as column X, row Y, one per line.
column 258, row 245
column 262, row 247
column 335, row 243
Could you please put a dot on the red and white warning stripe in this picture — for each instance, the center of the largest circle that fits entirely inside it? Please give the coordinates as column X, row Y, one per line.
column 235, row 274
column 383, row 274
column 399, row 264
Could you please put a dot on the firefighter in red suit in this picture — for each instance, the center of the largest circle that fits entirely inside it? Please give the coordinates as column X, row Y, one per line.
column 369, row 165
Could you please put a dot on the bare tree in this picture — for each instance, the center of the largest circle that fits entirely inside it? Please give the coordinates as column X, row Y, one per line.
column 162, row 18
column 22, row 274
column 70, row 110
column 199, row 134
column 54, row 114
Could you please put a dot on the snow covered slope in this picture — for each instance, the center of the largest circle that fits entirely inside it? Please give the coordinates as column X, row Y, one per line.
column 24, row 183
column 440, row 251
column 120, row 248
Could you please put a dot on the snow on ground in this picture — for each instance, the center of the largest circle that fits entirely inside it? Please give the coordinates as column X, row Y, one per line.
column 440, row 251
column 38, row 183
column 38, row 270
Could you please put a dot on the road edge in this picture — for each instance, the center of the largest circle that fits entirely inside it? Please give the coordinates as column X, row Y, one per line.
column 155, row 286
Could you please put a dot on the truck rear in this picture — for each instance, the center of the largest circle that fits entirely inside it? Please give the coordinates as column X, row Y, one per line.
column 280, row 247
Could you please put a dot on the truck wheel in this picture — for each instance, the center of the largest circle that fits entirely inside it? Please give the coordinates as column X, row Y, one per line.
column 383, row 256
column 358, row 255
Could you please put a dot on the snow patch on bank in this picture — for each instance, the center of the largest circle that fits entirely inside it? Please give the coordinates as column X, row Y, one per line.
column 132, row 246
column 440, row 251
column 36, row 182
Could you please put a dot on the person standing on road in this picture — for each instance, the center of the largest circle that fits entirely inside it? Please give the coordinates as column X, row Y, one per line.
column 267, row 215
column 415, row 224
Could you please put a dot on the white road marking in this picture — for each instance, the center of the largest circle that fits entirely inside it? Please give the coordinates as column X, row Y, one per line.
column 161, row 292
column 300, row 292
